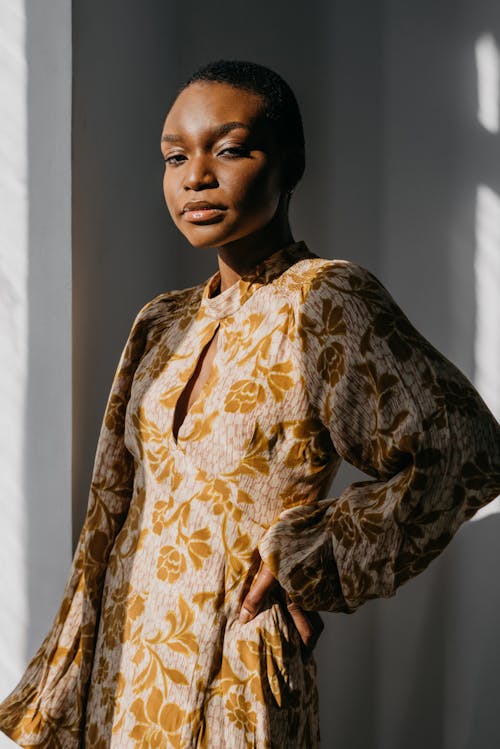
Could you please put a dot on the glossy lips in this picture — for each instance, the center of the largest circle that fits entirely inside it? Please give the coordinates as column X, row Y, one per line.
column 201, row 211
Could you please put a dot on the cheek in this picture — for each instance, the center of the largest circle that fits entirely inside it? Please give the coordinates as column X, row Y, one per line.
column 166, row 186
column 255, row 191
column 168, row 192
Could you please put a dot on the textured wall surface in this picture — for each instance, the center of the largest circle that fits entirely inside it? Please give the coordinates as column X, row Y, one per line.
column 35, row 324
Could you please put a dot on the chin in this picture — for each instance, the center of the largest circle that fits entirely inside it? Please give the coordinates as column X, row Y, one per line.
column 209, row 238
column 201, row 243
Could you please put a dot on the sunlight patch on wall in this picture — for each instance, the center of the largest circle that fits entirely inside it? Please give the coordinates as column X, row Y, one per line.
column 487, row 294
column 13, row 341
column 488, row 82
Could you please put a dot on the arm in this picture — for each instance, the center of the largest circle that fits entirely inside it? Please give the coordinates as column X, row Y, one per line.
column 404, row 414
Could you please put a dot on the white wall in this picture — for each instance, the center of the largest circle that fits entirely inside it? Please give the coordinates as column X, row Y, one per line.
column 14, row 332
column 35, row 324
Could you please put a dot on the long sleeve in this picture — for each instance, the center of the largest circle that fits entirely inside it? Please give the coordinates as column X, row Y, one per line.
column 47, row 707
column 400, row 411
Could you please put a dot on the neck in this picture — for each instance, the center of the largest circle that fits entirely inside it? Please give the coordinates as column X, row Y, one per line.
column 240, row 256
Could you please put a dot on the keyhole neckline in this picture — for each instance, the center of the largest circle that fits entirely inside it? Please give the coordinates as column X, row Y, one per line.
column 177, row 438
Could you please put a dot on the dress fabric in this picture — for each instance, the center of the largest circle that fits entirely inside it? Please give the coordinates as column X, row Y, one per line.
column 315, row 363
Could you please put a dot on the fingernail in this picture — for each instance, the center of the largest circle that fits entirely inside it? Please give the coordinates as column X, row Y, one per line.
column 245, row 616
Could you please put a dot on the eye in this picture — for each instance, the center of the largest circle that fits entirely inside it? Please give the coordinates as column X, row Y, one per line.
column 235, row 151
column 175, row 159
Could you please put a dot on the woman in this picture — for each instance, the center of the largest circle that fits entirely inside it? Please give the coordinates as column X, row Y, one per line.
column 210, row 544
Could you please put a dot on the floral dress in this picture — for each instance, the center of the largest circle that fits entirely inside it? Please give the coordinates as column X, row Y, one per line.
column 315, row 363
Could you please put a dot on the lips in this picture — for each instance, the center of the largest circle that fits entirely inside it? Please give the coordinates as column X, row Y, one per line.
column 201, row 211
column 197, row 205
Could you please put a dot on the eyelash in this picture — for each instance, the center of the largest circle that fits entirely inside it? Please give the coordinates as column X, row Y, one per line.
column 239, row 151
column 172, row 159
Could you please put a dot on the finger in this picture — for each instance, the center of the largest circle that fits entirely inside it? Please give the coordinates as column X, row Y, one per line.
column 262, row 584
column 309, row 624
column 317, row 626
column 302, row 623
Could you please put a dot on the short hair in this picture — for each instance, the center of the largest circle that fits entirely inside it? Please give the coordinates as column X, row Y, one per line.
column 280, row 105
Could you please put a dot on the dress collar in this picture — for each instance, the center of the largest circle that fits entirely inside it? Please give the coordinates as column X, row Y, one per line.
column 226, row 302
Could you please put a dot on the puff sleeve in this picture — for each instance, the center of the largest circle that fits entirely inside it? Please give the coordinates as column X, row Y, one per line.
column 47, row 706
column 400, row 411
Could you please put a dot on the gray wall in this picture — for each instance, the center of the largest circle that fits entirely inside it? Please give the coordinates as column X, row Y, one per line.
column 388, row 96
column 48, row 408
column 439, row 630
column 124, row 249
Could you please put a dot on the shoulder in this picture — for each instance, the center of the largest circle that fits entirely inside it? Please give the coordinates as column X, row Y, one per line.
column 343, row 302
column 170, row 305
column 318, row 281
column 314, row 272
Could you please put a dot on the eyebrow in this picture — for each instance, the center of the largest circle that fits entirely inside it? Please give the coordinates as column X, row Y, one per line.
column 216, row 132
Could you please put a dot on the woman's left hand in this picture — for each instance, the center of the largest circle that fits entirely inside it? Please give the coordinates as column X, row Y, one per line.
column 308, row 623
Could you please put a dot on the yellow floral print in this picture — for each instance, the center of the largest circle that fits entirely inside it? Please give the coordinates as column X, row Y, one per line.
column 171, row 564
column 315, row 363
column 240, row 712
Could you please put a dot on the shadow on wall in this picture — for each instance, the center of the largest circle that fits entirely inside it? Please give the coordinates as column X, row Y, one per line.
column 124, row 247
column 421, row 669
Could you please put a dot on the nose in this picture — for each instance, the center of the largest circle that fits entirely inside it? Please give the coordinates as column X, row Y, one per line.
column 199, row 174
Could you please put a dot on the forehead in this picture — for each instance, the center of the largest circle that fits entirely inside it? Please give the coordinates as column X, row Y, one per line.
column 204, row 105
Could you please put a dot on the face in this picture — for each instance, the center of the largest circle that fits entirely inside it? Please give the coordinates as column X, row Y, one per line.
column 223, row 170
